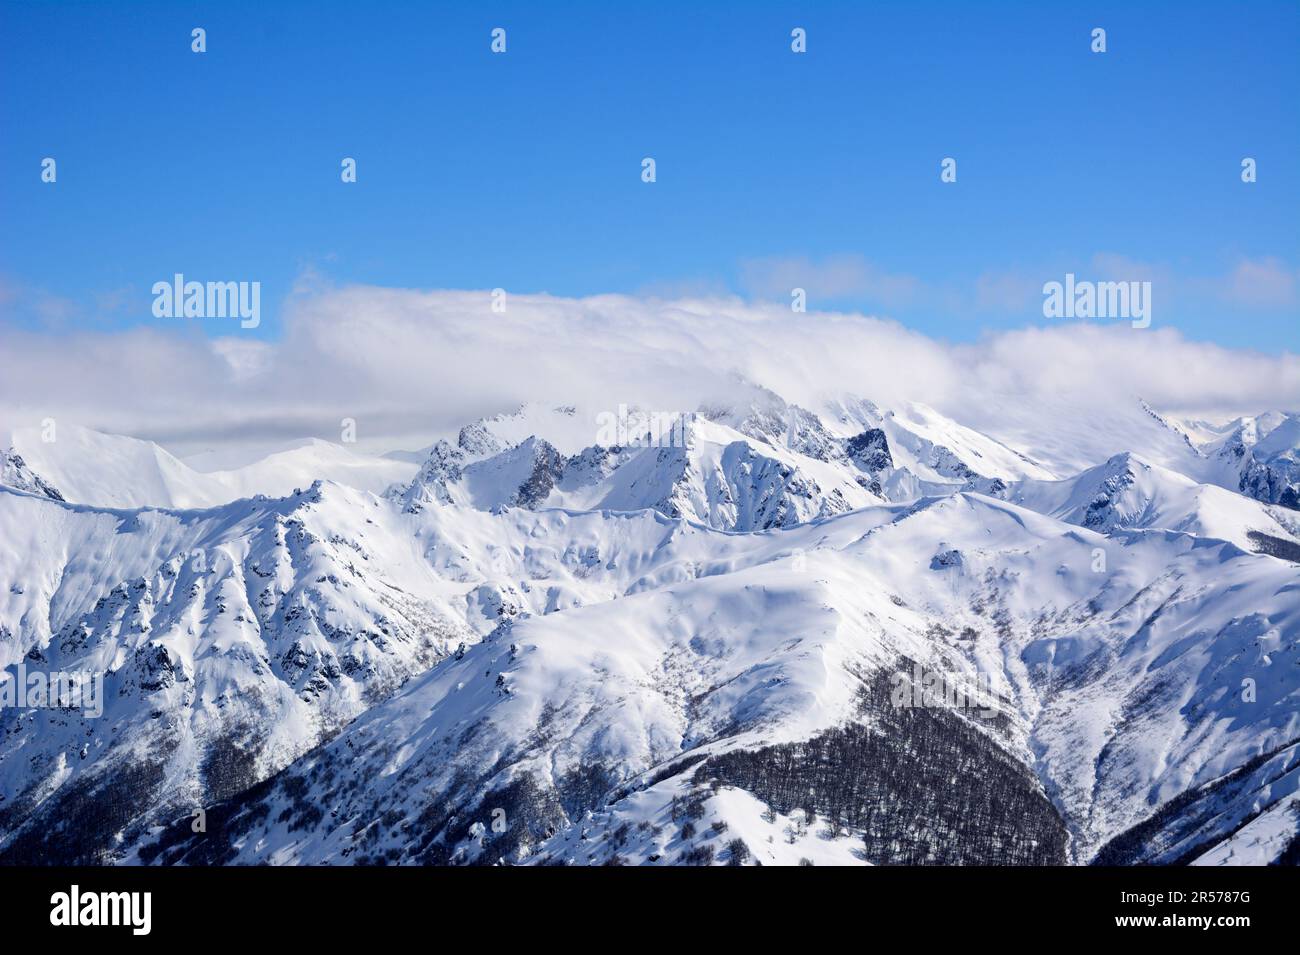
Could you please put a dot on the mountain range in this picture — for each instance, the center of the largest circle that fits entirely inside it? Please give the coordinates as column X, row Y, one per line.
column 734, row 634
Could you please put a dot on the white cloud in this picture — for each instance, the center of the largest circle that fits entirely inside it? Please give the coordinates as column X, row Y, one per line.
column 1262, row 283
column 1013, row 292
column 407, row 364
column 835, row 277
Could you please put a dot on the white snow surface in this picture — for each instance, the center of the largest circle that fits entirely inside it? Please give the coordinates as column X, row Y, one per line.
column 106, row 470
column 536, row 605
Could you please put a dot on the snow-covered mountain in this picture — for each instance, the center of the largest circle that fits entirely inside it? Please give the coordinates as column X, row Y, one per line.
column 601, row 730
column 1127, row 492
column 17, row 474
column 108, row 470
column 708, row 473
column 1258, row 456
column 746, row 632
column 936, row 449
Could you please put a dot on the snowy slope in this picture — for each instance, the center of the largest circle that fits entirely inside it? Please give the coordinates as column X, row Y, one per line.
column 236, row 638
column 1250, row 816
column 1258, row 455
column 932, row 447
column 233, row 640
column 1127, row 492
column 1119, row 690
column 113, row 470
column 567, row 427
column 105, row 470
column 17, row 474
column 715, row 476
column 722, row 478
column 551, row 647
column 314, row 460
column 1067, row 439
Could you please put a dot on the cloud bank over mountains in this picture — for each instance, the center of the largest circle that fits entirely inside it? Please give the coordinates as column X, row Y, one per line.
column 404, row 363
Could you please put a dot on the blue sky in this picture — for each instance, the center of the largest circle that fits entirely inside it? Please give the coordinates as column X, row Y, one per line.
column 523, row 170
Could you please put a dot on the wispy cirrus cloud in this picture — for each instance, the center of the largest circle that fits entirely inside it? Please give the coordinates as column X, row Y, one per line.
column 832, row 278
column 1261, row 283
column 1249, row 284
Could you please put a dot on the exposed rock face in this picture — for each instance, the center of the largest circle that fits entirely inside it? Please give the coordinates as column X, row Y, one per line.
column 1276, row 481
column 619, row 651
column 792, row 427
column 1263, row 453
column 870, row 450
column 476, row 441
column 440, row 471
column 15, row 473
column 219, row 666
column 1103, row 511
column 548, row 466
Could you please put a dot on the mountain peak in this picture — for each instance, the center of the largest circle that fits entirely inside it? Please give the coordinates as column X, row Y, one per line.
column 14, row 473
